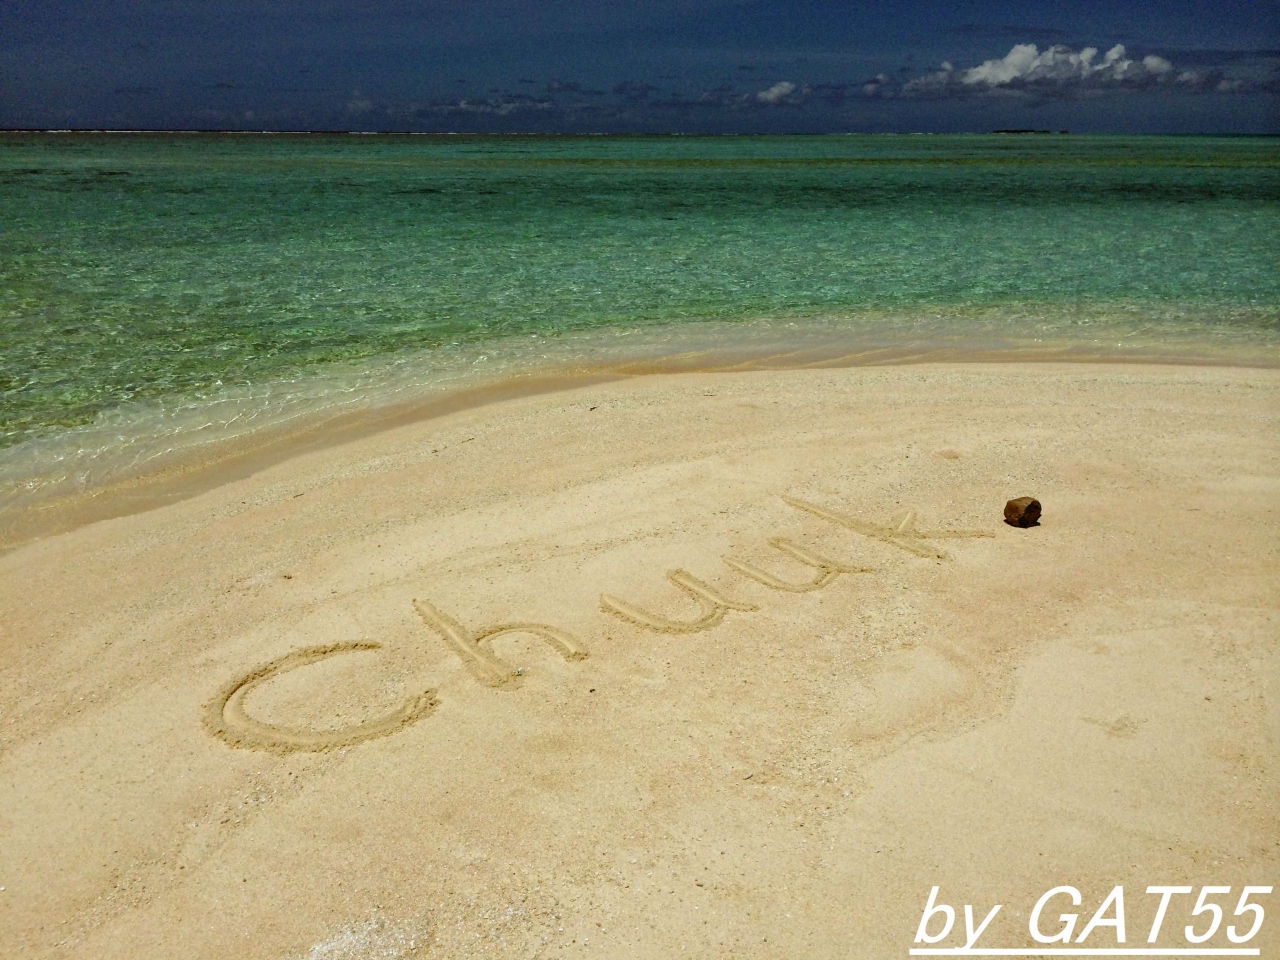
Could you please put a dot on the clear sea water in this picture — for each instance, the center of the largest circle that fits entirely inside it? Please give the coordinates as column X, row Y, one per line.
column 161, row 292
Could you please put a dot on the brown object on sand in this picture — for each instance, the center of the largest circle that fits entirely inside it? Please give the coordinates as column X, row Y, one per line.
column 1022, row 512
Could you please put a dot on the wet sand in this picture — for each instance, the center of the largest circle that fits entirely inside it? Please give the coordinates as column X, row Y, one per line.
column 733, row 664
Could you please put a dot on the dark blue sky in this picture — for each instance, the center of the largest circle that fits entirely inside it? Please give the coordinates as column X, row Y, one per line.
column 657, row 66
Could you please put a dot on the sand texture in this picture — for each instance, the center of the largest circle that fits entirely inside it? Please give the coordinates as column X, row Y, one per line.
column 708, row 665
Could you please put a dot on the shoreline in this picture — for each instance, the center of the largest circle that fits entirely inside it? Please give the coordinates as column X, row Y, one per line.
column 213, row 463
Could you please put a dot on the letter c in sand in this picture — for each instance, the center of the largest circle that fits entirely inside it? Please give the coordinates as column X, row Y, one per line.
column 227, row 720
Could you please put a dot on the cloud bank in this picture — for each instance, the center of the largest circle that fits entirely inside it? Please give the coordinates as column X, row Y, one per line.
column 1026, row 77
column 1058, row 71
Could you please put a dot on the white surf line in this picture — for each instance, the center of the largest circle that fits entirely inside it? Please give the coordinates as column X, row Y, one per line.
column 1085, row 952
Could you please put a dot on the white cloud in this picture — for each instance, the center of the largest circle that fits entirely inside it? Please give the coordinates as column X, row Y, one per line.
column 777, row 93
column 500, row 107
column 1056, row 70
column 876, row 85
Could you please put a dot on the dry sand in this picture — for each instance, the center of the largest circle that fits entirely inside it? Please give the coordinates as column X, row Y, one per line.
column 706, row 764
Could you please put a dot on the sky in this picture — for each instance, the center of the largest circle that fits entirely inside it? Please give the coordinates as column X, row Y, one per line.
column 658, row 66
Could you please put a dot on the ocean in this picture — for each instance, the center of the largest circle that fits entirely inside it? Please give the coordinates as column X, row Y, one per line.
column 161, row 294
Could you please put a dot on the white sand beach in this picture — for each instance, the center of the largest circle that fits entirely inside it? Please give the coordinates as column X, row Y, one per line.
column 700, row 664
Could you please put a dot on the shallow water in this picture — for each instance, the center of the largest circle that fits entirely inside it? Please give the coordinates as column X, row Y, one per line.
column 158, row 292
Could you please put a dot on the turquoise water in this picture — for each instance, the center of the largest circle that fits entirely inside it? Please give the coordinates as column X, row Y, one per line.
column 146, row 274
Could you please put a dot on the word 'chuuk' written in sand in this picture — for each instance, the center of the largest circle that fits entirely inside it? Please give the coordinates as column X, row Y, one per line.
column 227, row 718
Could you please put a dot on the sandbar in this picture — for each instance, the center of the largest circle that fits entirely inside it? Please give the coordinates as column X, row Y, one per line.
column 707, row 664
